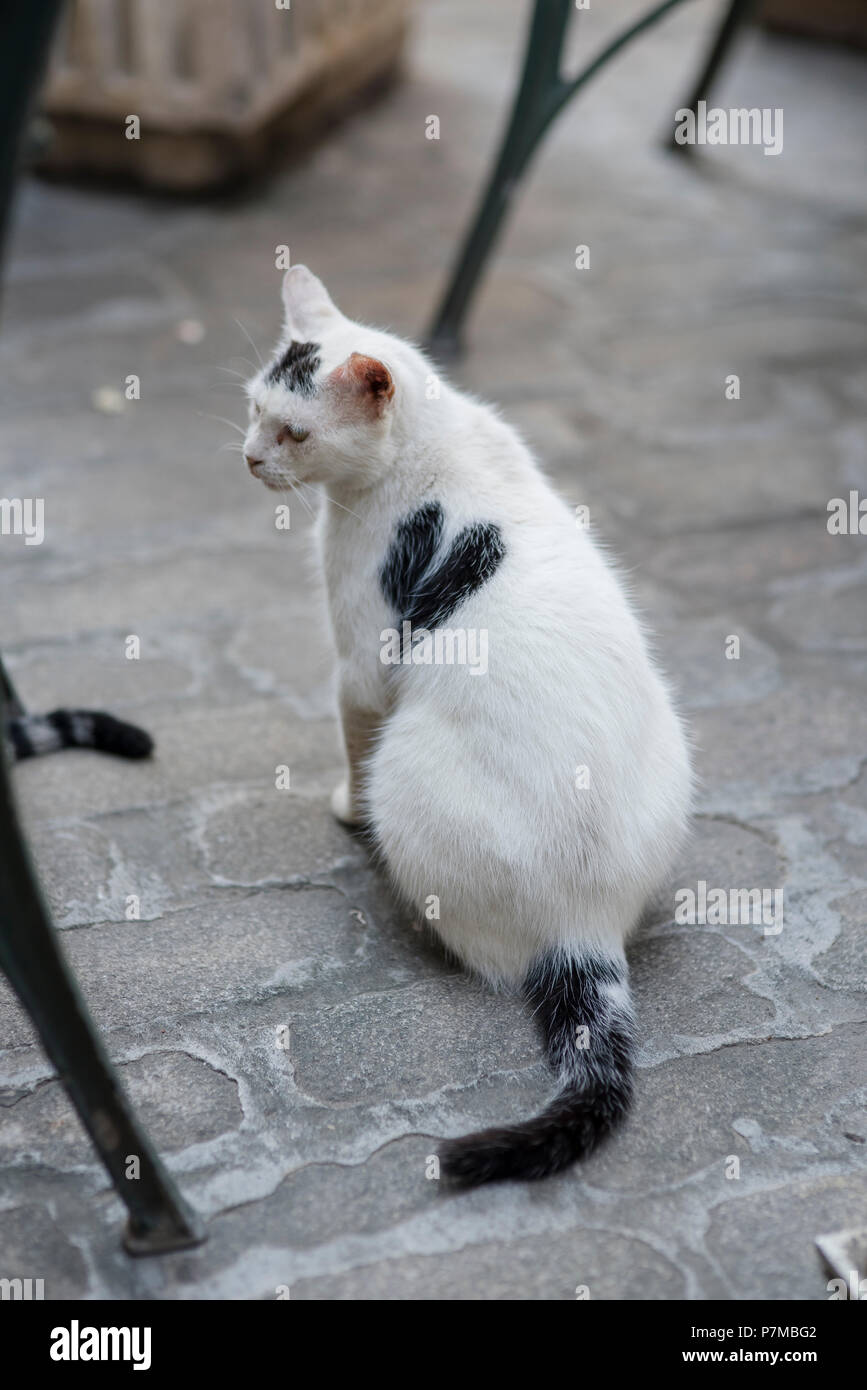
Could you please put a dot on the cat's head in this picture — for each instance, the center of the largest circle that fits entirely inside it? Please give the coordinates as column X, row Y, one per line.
column 323, row 410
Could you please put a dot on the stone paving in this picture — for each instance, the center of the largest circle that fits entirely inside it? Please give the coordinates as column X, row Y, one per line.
column 257, row 911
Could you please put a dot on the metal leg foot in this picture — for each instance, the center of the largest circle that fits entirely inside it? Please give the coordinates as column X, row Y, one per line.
column 736, row 15
column 30, row 955
column 9, row 695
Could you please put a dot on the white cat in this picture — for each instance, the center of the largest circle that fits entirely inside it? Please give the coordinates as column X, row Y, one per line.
column 532, row 800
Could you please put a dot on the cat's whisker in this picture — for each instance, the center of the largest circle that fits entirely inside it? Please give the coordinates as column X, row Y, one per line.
column 302, row 500
column 239, row 357
column 312, row 507
column 221, row 419
column 242, row 378
column 301, row 485
column 349, row 510
column 250, row 341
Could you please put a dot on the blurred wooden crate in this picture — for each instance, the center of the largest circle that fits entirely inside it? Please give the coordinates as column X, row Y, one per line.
column 218, row 85
column 839, row 21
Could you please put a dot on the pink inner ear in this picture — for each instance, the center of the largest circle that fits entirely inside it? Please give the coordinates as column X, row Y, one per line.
column 368, row 377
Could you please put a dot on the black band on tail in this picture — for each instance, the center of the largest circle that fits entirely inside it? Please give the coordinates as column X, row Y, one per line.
column 586, row 1018
column 32, row 734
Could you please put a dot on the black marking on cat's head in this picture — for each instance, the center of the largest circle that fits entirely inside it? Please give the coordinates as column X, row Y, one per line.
column 427, row 596
column 296, row 368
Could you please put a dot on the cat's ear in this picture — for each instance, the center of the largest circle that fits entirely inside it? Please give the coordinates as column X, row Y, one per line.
column 366, row 381
column 307, row 303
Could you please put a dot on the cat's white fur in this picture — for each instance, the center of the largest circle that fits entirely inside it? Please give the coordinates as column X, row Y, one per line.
column 470, row 781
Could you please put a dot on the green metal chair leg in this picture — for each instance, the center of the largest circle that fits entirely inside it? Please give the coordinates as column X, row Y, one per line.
column 30, row 956
column 8, row 694
column 539, row 79
column 542, row 94
column 736, row 15
column 159, row 1219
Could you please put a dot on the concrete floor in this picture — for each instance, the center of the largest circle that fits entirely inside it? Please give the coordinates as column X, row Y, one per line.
column 257, row 910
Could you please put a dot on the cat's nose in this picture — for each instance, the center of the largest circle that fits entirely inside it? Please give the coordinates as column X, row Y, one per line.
column 252, row 464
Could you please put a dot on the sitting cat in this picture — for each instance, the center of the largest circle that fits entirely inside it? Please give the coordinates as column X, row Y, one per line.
column 537, row 802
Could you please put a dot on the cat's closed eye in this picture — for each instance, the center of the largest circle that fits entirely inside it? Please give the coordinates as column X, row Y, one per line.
column 293, row 432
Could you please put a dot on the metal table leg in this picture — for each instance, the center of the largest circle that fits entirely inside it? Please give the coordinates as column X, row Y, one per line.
column 736, row 15
column 542, row 94
column 159, row 1219
column 30, row 955
column 539, row 82
column 9, row 697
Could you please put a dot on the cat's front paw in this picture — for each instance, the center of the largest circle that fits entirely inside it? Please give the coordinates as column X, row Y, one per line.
column 343, row 806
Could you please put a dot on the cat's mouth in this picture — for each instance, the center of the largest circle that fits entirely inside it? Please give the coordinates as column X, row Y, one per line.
column 279, row 484
column 255, row 467
column 271, row 474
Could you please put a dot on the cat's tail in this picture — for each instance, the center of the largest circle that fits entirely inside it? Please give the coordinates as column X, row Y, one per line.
column 585, row 1009
column 31, row 734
